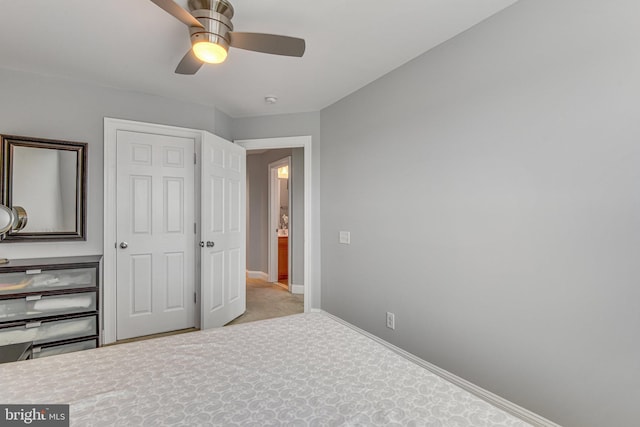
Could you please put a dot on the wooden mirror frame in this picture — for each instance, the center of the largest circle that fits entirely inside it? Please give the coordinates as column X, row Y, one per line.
column 7, row 143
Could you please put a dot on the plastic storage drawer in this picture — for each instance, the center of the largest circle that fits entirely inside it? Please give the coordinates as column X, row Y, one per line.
column 36, row 280
column 33, row 306
column 40, row 332
column 38, row 352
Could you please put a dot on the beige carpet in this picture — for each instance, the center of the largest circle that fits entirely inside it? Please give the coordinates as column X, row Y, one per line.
column 266, row 300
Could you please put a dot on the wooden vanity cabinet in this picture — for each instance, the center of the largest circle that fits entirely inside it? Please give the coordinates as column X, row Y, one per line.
column 283, row 257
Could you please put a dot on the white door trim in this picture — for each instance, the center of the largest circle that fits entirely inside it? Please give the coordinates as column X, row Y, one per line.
column 274, row 206
column 294, row 142
column 111, row 127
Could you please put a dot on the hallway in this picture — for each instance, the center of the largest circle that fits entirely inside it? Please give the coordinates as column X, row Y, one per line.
column 266, row 300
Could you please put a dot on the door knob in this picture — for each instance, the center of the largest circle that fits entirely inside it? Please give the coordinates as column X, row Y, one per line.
column 210, row 244
column 124, row 245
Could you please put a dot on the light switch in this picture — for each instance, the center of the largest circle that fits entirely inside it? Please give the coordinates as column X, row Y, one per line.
column 345, row 237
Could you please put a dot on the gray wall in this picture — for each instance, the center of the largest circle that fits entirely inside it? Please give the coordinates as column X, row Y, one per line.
column 491, row 187
column 284, row 125
column 54, row 108
column 222, row 125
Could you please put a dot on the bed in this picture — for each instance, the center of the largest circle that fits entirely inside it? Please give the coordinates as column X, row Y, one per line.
column 306, row 369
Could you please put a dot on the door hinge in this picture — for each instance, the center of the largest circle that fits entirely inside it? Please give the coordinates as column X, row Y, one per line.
column 195, row 298
column 195, row 158
column 195, row 228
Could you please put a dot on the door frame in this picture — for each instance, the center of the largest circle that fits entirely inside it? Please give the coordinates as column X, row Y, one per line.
column 109, row 267
column 274, row 206
column 294, row 142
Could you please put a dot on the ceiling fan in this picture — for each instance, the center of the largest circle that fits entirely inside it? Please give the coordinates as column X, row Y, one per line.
column 212, row 33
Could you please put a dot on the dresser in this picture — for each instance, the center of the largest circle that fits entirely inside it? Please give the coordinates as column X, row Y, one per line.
column 50, row 302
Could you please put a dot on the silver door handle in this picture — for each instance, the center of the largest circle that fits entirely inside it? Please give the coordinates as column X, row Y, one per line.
column 124, row 245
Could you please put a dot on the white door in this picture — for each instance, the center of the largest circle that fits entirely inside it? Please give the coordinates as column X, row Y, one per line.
column 155, row 233
column 223, row 221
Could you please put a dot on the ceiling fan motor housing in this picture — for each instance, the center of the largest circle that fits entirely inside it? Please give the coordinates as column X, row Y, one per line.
column 215, row 16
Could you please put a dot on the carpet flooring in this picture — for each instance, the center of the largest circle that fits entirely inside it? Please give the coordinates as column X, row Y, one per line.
column 266, row 300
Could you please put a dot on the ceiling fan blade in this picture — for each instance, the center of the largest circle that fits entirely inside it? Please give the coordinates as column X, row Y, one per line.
column 172, row 8
column 189, row 64
column 268, row 43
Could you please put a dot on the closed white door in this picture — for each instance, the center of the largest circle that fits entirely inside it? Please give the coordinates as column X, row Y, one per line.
column 155, row 233
column 223, row 257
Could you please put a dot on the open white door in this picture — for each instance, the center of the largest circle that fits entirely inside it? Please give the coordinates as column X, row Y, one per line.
column 223, row 256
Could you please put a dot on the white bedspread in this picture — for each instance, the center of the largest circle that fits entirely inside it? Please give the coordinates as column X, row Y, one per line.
column 298, row 370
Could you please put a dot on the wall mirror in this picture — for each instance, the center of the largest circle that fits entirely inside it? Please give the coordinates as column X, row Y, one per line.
column 48, row 179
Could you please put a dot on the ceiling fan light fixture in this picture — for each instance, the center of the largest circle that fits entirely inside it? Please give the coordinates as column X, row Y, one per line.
column 211, row 53
column 211, row 33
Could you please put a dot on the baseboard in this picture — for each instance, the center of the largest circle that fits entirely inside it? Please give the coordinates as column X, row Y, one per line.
column 258, row 275
column 282, row 285
column 297, row 289
column 495, row 400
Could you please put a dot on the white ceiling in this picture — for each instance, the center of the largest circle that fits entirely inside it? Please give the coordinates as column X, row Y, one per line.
column 135, row 45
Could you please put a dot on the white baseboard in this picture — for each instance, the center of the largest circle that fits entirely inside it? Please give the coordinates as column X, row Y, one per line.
column 258, row 275
column 297, row 289
column 282, row 285
column 495, row 400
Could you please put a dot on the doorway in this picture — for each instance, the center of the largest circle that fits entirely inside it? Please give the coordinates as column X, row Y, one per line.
column 303, row 143
column 274, row 233
column 280, row 216
column 275, row 226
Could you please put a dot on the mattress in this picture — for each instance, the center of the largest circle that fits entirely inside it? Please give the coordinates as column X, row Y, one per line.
column 306, row 369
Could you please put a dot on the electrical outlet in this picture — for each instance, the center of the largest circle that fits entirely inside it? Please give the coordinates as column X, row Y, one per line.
column 391, row 320
column 345, row 237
